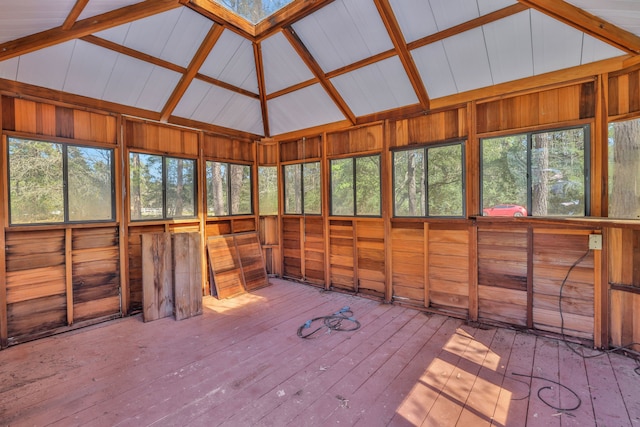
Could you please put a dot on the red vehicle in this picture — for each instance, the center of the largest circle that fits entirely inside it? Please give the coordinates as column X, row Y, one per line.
column 505, row 210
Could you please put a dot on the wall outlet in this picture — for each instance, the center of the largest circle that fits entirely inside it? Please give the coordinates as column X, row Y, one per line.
column 595, row 241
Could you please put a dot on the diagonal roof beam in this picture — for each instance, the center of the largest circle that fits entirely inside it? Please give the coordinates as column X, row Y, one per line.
column 588, row 23
column 317, row 71
column 257, row 54
column 192, row 70
column 393, row 28
column 85, row 27
column 73, row 15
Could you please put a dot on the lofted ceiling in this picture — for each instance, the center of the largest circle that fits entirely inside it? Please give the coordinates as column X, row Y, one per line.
column 314, row 63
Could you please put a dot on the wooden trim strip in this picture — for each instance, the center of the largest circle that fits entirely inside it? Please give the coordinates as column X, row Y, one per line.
column 74, row 14
column 530, row 248
column 68, row 266
column 257, row 54
column 3, row 257
column 427, row 286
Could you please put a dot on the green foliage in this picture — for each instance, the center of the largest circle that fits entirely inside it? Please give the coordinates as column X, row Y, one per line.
column 228, row 189
column 312, row 188
column 90, row 189
column 342, row 186
column 355, row 186
column 254, row 10
column 268, row 190
column 145, row 186
column 445, row 180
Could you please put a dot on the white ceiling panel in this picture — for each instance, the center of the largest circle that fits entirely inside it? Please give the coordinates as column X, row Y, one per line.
column 89, row 70
column 509, row 47
column 343, row 32
column 174, row 36
column 487, row 6
column 9, row 69
column 467, row 54
column 302, row 109
column 140, row 84
column 623, row 13
column 232, row 61
column 283, row 67
column 211, row 104
column 449, row 13
column 555, row 45
column 415, row 18
column 377, row 87
column 98, row 7
column 596, row 50
column 24, row 17
column 46, row 67
column 435, row 71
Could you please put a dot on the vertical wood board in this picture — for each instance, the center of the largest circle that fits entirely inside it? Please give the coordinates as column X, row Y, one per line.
column 187, row 275
column 157, row 292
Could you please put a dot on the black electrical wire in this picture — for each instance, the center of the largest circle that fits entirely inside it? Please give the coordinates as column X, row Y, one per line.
column 341, row 321
column 541, row 389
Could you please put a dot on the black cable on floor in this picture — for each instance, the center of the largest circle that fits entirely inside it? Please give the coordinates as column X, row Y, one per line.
column 342, row 321
column 557, row 408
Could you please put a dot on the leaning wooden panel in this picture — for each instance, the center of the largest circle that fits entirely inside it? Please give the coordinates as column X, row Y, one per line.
column 157, row 292
column 187, row 275
column 250, row 253
column 226, row 269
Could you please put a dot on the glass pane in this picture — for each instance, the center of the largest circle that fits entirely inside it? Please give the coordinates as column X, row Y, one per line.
column 408, row 182
column 254, row 11
column 445, row 186
column 368, row 185
column 240, row 177
column 292, row 190
column 35, row 182
column 90, row 184
column 145, row 186
column 312, row 188
column 624, row 169
column 217, row 189
column 504, row 176
column 557, row 173
column 342, row 202
column 268, row 190
column 180, row 188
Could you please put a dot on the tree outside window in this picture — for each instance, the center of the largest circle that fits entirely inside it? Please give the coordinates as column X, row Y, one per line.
column 624, row 169
column 56, row 183
column 302, row 189
column 355, row 186
column 538, row 174
column 268, row 190
column 429, row 181
column 228, row 189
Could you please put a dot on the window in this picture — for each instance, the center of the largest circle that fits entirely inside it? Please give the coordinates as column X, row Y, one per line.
column 161, row 187
column 228, row 189
column 268, row 190
column 624, row 169
column 539, row 174
column 355, row 186
column 429, row 181
column 302, row 189
column 58, row 183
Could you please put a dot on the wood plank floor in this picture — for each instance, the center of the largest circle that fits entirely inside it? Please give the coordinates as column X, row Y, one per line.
column 242, row 364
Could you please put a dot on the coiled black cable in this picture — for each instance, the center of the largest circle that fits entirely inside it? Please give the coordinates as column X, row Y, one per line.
column 342, row 321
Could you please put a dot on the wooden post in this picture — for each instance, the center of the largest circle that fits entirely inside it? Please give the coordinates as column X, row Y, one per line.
column 68, row 263
column 427, row 297
column 122, row 216
column 326, row 173
column 3, row 258
column 530, row 249
column 601, row 294
column 473, row 272
column 387, row 212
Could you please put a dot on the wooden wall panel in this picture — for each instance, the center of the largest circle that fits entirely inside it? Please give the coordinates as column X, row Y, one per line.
column 160, row 138
column 135, row 263
column 448, row 268
column 371, row 257
column 625, row 319
column 557, row 105
column 624, row 93
column 435, row 127
column 291, row 247
column 624, row 257
column 225, row 148
column 341, row 255
column 187, row 275
column 157, row 277
column 41, row 119
column 502, row 274
column 267, row 153
column 364, row 139
column 301, row 149
column 555, row 252
column 408, row 262
column 314, row 250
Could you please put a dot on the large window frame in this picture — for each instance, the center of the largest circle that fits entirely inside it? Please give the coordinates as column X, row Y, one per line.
column 623, row 189
column 165, row 188
column 356, row 198
column 531, row 169
column 304, row 171
column 66, row 185
column 425, row 199
column 228, row 191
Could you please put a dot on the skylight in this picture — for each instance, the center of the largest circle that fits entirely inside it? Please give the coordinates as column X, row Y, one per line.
column 253, row 11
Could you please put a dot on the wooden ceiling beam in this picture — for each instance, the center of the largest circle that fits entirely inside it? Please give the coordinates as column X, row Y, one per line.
column 192, row 70
column 257, row 54
column 286, row 16
column 395, row 33
column 469, row 25
column 222, row 16
column 85, row 27
column 317, row 71
column 74, row 14
column 588, row 23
